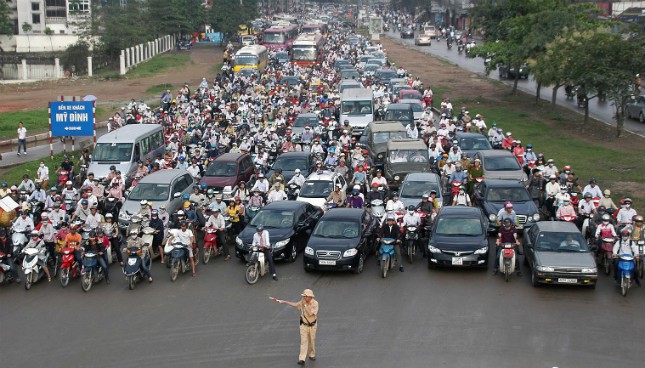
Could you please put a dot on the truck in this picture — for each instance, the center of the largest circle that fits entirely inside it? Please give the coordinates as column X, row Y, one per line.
column 357, row 107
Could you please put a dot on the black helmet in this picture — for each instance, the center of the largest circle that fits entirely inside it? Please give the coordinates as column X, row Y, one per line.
column 410, row 208
column 92, row 234
column 602, row 209
column 508, row 222
column 112, row 168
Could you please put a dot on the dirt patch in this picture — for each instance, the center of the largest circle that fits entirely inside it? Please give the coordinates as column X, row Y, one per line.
column 20, row 97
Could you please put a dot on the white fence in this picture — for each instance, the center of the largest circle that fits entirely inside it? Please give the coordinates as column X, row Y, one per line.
column 36, row 71
column 145, row 51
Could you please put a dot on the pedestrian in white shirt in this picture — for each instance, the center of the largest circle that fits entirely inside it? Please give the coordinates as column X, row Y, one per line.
column 43, row 174
column 22, row 138
column 276, row 194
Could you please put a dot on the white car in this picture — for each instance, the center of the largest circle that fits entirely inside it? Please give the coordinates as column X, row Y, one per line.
column 423, row 39
column 319, row 186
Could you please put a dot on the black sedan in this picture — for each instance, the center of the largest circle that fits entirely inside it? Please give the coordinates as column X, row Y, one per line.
column 288, row 162
column 342, row 240
column 459, row 238
column 491, row 195
column 289, row 224
column 407, row 32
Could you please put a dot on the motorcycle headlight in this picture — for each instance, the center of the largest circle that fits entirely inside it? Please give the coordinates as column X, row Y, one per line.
column 350, row 252
column 589, row 270
column 492, row 217
column 124, row 216
column 432, row 249
column 239, row 241
column 545, row 269
column 380, row 156
column 396, row 177
column 281, row 243
column 536, row 217
column 483, row 250
column 309, row 251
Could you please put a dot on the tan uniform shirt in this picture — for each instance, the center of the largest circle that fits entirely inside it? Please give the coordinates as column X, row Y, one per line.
column 308, row 313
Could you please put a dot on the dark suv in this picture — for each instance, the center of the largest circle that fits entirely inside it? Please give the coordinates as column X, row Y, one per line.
column 226, row 171
column 341, row 241
column 490, row 195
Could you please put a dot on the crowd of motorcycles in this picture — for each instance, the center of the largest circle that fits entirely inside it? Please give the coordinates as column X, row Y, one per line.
column 246, row 114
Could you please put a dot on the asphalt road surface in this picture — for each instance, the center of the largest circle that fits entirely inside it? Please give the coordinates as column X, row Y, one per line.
column 419, row 318
column 603, row 111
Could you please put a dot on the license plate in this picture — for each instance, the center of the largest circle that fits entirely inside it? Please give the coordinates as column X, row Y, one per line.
column 132, row 261
column 568, row 281
column 327, row 263
column 457, row 261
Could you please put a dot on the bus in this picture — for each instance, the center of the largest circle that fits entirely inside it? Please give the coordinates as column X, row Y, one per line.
column 315, row 28
column 307, row 49
column 280, row 37
column 251, row 57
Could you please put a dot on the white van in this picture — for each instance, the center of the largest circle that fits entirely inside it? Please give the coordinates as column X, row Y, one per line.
column 124, row 147
column 357, row 106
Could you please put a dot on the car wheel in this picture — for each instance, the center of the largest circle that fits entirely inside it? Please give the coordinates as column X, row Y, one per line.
column 641, row 117
column 293, row 253
column 534, row 279
column 359, row 264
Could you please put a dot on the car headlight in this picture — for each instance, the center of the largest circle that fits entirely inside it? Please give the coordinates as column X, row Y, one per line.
column 281, row 243
column 239, row 241
column 492, row 217
column 536, row 217
column 124, row 216
column 483, row 250
column 396, row 177
column 432, row 249
column 350, row 252
column 309, row 251
column 379, row 156
column 545, row 269
column 589, row 270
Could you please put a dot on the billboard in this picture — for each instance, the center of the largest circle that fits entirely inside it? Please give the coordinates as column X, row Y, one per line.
column 71, row 118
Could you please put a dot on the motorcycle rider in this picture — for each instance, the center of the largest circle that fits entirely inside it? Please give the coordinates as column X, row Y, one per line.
column 394, row 204
column 411, row 218
column 507, row 234
column 81, row 211
column 218, row 204
column 566, row 209
column 355, row 200
column 198, row 197
column 275, row 177
column 241, row 191
column 94, row 219
column 626, row 213
column 92, row 244
column 261, row 184
column 425, row 205
column 157, row 238
column 48, row 233
column 39, row 195
column 36, row 242
column 586, row 210
column 186, row 237
column 374, row 194
column 337, row 197
column 639, row 228
column 625, row 246
column 297, row 179
column 135, row 241
column 507, row 213
column 461, row 198
column 261, row 240
column 604, row 230
column 391, row 230
column 111, row 230
column 607, row 201
column 7, row 248
column 593, row 189
column 276, row 194
column 550, row 168
column 26, row 184
column 23, row 222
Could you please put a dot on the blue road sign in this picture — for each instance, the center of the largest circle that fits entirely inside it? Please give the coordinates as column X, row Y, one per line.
column 74, row 118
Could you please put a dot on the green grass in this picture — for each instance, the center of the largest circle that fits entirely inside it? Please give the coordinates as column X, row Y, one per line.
column 159, row 64
column 216, row 68
column 35, row 120
column 158, row 89
column 14, row 175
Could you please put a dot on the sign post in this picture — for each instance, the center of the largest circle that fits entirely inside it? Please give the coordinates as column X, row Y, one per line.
column 71, row 119
column 376, row 28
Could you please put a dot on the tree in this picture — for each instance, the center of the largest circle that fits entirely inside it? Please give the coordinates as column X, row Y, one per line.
column 225, row 16
column 49, row 33
column 26, row 27
column 175, row 16
column 6, row 25
column 123, row 26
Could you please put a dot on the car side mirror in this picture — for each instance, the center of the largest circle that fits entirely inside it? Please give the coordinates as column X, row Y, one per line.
column 176, row 195
column 308, row 231
column 302, row 224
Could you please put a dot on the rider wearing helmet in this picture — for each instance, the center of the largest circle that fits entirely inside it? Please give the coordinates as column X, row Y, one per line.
column 135, row 241
column 507, row 234
column 411, row 217
column 507, row 213
column 586, row 210
column 35, row 241
column 625, row 246
column 355, row 200
column 461, row 198
column 262, row 241
column 626, row 213
column 92, row 245
column 391, row 230
column 82, row 211
column 607, row 201
column 198, row 197
column 639, row 228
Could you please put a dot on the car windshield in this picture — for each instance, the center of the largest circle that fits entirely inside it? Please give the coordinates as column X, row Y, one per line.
column 561, row 242
column 402, row 156
column 273, row 219
column 356, row 107
column 290, row 164
column 113, row 152
column 412, row 94
column 303, row 121
column 349, row 74
column 222, row 169
column 383, row 137
column 282, row 55
column 378, row 62
column 398, row 115
column 371, row 67
column 416, row 107
column 507, row 194
column 337, row 229
column 150, row 192
column 416, row 189
column 501, row 164
column 387, row 74
column 474, row 144
column 305, row 53
column 457, row 226
column 398, row 88
column 316, row 189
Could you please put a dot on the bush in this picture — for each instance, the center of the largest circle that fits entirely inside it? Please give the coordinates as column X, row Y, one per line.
column 76, row 56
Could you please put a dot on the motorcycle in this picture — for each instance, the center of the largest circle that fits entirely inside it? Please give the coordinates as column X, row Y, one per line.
column 258, row 266
column 132, row 267
column 63, row 177
column 36, row 210
column 91, row 272
column 386, row 255
column 411, row 237
column 68, row 267
column 147, row 238
column 625, row 268
column 640, row 266
column 178, row 259
column 5, row 275
column 19, row 239
column 460, row 48
column 210, row 244
column 251, row 211
column 110, row 206
column 607, row 248
column 507, row 260
column 82, row 175
column 32, row 270
column 292, row 191
column 568, row 218
column 378, row 209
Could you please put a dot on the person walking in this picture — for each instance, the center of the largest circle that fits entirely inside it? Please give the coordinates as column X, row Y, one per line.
column 308, row 308
column 22, row 138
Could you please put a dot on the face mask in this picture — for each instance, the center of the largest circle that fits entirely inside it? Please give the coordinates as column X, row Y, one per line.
column 550, row 165
column 627, row 205
column 42, row 165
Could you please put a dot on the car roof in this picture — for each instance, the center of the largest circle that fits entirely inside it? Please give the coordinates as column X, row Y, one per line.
column 162, row 176
column 324, row 175
column 429, row 177
column 409, row 101
column 454, row 211
column 308, row 114
column 498, row 183
column 284, row 205
column 405, row 144
column 388, row 126
column 352, row 82
column 495, row 153
column 295, row 155
column 128, row 133
column 470, row 135
column 229, row 157
column 343, row 213
column 557, row 226
column 398, row 106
